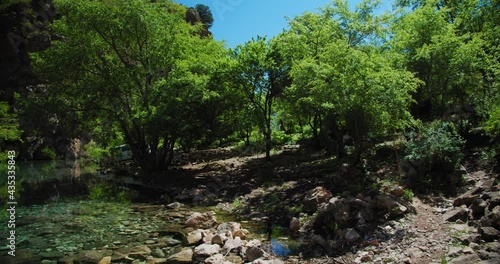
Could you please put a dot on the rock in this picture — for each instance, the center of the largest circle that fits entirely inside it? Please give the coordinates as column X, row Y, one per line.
column 253, row 253
column 198, row 220
column 352, row 236
column 183, row 257
column 488, row 233
column 232, row 244
column 270, row 261
column 204, row 251
column 254, row 243
column 105, row 260
column 234, row 259
column 140, row 252
column 207, row 237
column 472, row 258
column 495, row 215
column 158, row 252
column 391, row 204
column 315, row 197
column 319, row 240
column 493, row 199
column 92, row 256
column 398, row 191
column 174, row 206
column 153, row 260
column 478, row 207
column 294, row 225
column 455, row 214
column 194, row 237
column 240, row 234
column 219, row 239
column 215, row 259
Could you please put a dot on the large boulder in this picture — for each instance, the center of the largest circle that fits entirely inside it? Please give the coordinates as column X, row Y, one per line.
column 316, row 197
column 456, row 214
column 488, row 233
column 201, row 220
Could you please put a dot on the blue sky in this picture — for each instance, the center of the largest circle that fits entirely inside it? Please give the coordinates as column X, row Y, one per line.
column 237, row 21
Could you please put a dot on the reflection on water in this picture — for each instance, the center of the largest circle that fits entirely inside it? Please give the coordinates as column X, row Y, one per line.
column 44, row 181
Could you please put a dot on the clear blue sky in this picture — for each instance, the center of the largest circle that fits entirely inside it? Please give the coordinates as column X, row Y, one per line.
column 237, row 21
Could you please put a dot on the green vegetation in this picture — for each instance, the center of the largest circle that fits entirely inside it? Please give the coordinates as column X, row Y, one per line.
column 111, row 193
column 408, row 195
column 341, row 80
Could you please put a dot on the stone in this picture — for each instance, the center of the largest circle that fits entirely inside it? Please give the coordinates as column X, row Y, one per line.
column 391, row 204
column 488, row 233
column 92, row 256
column 199, row 220
column 215, row 259
column 495, row 215
column 232, row 244
column 455, row 214
column 316, row 197
column 105, row 260
column 240, row 234
column 254, row 243
column 398, row 191
column 174, row 206
column 234, row 259
column 140, row 252
column 352, row 236
column 253, row 253
column 158, row 252
column 194, row 237
column 478, row 207
column 472, row 258
column 183, row 257
column 204, row 251
column 294, row 225
column 219, row 239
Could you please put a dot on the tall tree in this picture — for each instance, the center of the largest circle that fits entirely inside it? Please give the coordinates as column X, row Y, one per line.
column 134, row 64
column 263, row 76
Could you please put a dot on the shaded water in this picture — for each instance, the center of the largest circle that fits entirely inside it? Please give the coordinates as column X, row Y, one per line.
column 55, row 218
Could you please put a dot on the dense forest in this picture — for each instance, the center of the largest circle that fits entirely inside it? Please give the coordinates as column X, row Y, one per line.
column 82, row 77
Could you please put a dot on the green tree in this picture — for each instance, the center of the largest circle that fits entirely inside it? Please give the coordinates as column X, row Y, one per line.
column 343, row 76
column 205, row 15
column 134, row 64
column 262, row 76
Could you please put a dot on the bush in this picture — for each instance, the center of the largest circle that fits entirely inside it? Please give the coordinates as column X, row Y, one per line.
column 437, row 148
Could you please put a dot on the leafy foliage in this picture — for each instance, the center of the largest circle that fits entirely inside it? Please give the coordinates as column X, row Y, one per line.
column 438, row 147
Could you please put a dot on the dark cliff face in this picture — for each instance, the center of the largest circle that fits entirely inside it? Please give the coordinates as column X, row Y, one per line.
column 193, row 17
column 23, row 29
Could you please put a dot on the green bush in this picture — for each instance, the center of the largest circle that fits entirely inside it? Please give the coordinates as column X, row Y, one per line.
column 96, row 152
column 438, row 147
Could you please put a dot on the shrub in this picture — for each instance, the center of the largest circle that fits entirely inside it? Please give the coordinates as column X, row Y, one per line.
column 408, row 195
column 437, row 148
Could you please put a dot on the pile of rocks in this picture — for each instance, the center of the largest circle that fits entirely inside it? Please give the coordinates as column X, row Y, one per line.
column 219, row 243
column 341, row 223
column 478, row 209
